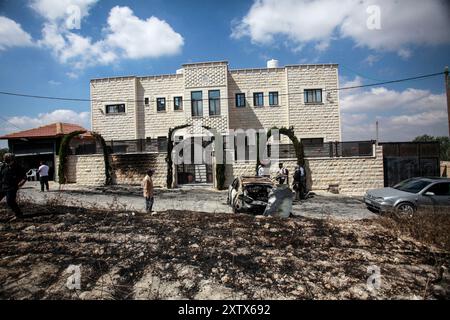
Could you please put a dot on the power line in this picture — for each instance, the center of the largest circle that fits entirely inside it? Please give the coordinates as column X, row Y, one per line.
column 389, row 82
column 229, row 98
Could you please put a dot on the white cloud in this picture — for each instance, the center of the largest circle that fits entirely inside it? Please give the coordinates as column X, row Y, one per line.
column 126, row 36
column 403, row 23
column 72, row 75
column 381, row 99
column 402, row 115
column 141, row 38
column 19, row 123
column 54, row 82
column 59, row 115
column 372, row 59
column 12, row 34
column 56, row 10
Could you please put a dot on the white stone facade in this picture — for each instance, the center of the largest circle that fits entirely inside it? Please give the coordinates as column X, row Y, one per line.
column 140, row 120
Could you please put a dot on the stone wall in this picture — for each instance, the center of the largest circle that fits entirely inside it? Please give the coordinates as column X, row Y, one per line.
column 131, row 168
column 119, row 126
column 155, row 123
column 249, row 81
column 85, row 169
column 207, row 74
column 320, row 120
column 353, row 175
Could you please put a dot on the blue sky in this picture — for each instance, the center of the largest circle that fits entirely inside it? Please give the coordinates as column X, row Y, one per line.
column 41, row 54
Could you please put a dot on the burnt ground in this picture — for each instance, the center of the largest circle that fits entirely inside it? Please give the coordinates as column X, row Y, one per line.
column 180, row 254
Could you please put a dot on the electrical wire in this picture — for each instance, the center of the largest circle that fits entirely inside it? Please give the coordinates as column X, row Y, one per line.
column 285, row 94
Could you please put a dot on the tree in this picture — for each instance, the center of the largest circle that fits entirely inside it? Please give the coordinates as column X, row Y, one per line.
column 444, row 144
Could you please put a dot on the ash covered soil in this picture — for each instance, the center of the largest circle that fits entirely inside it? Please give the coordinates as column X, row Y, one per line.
column 179, row 254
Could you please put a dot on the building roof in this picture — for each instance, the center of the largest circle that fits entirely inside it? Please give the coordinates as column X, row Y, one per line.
column 225, row 62
column 48, row 131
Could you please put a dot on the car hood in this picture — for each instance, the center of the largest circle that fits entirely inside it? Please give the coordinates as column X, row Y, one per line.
column 388, row 192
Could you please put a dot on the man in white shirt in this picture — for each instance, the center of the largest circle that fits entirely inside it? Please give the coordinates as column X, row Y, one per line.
column 43, row 175
column 263, row 170
column 282, row 174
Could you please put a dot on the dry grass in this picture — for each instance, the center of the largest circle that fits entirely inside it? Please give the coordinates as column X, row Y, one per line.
column 425, row 226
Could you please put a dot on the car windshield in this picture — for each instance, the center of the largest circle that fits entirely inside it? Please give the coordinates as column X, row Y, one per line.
column 402, row 183
column 412, row 185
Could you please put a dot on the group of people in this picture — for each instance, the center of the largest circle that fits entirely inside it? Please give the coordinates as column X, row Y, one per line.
column 282, row 177
column 12, row 177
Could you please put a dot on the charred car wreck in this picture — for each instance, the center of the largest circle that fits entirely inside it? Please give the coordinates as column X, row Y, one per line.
column 259, row 195
column 250, row 194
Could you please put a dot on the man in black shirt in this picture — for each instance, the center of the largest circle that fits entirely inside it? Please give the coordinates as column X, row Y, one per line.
column 12, row 177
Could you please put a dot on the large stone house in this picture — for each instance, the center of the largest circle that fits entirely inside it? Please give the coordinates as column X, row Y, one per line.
column 213, row 95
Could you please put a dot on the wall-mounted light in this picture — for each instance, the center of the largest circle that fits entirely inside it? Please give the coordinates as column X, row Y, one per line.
column 101, row 111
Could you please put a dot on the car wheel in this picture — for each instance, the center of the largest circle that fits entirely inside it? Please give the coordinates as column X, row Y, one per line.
column 236, row 208
column 405, row 210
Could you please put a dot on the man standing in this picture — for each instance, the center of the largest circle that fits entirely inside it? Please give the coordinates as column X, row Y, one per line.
column 263, row 170
column 302, row 182
column 299, row 183
column 43, row 175
column 147, row 185
column 12, row 177
column 282, row 174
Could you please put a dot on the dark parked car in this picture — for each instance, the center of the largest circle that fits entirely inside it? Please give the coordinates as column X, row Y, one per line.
column 249, row 194
column 411, row 195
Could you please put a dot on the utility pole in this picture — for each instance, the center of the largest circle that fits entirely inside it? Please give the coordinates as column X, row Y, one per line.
column 447, row 89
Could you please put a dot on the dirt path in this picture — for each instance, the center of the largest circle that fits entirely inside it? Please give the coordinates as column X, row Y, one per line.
column 181, row 254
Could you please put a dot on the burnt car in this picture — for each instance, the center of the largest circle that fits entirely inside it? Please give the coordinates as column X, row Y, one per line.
column 249, row 194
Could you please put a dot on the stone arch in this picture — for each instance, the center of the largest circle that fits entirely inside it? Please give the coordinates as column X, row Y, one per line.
column 64, row 149
column 298, row 145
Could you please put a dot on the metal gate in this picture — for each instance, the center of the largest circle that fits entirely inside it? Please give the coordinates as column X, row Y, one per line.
column 200, row 172
column 404, row 160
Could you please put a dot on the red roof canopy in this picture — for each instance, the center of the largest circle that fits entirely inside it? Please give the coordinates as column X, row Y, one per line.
column 48, row 131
